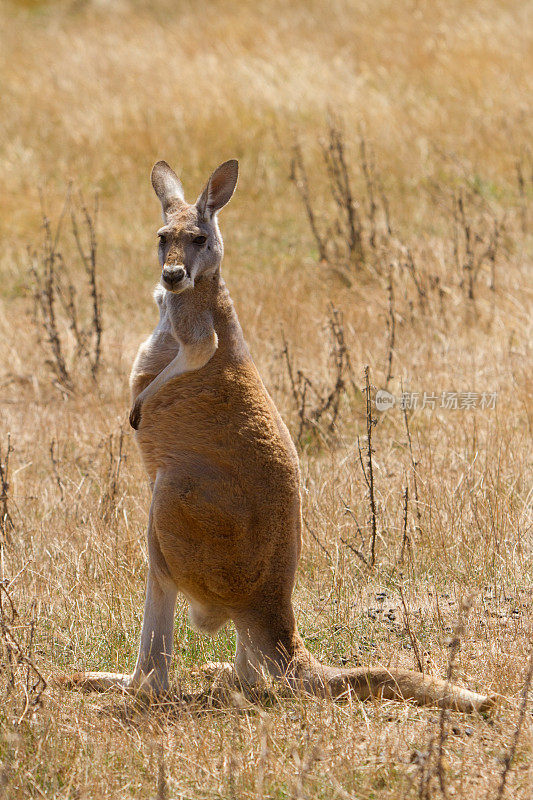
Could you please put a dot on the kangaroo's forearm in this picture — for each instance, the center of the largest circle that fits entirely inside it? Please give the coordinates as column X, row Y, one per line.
column 191, row 357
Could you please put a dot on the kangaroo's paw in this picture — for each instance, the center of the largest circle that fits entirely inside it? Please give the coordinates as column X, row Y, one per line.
column 135, row 414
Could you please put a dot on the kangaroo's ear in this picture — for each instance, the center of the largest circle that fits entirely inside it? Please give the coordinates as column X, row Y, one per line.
column 219, row 188
column 167, row 185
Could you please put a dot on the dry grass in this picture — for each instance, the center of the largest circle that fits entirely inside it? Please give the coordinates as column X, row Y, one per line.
column 95, row 92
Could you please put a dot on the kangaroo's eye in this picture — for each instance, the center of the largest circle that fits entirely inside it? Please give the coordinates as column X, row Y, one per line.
column 162, row 239
column 200, row 239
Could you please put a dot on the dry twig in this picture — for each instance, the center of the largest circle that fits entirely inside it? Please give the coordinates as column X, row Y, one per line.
column 414, row 465
column 55, row 469
column 54, row 291
column 298, row 176
column 391, row 324
column 16, row 655
column 476, row 242
column 43, row 271
column 7, row 526
column 315, row 405
column 509, row 756
column 406, row 542
column 414, row 643
column 334, row 153
column 521, row 182
column 351, row 233
column 89, row 261
column 368, row 473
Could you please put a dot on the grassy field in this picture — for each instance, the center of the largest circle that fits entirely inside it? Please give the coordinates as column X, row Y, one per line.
column 427, row 105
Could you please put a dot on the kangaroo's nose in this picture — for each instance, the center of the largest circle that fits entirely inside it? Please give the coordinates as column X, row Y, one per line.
column 173, row 274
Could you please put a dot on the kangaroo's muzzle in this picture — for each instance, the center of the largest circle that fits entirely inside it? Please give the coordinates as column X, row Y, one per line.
column 173, row 276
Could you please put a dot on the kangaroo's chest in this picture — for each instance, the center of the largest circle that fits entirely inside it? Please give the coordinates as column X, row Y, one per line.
column 217, row 416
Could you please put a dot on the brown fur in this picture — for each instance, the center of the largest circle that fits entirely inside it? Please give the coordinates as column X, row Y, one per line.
column 225, row 519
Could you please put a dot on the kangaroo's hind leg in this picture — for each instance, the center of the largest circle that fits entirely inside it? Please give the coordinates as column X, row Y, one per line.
column 150, row 675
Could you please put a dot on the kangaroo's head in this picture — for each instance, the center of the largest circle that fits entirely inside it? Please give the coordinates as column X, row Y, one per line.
column 190, row 244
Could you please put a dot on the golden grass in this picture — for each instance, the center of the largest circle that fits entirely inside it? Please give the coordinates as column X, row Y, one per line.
column 95, row 92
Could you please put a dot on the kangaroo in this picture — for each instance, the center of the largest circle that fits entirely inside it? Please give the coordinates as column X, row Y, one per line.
column 224, row 525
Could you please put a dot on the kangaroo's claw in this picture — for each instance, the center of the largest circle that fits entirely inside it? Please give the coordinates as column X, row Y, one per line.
column 135, row 415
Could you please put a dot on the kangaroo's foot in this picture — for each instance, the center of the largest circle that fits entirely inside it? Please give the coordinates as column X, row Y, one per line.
column 145, row 686
column 150, row 676
column 281, row 651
